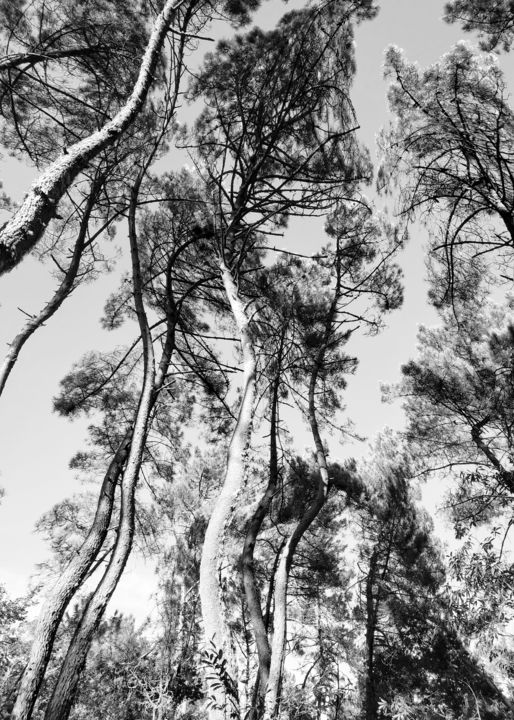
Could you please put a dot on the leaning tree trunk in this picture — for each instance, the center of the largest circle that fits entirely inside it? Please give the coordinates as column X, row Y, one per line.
column 60, row 295
column 66, row 586
column 251, row 589
column 64, row 692
column 215, row 626
column 62, row 697
column 272, row 700
column 23, row 231
column 77, row 570
column 371, row 699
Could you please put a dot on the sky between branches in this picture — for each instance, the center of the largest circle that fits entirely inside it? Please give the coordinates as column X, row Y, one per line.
column 36, row 444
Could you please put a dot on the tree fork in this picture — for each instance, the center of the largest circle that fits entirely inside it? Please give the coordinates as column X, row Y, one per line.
column 251, row 589
column 63, row 695
column 272, row 701
column 66, row 586
column 60, row 295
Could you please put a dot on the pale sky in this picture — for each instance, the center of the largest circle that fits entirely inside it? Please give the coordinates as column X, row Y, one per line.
column 36, row 445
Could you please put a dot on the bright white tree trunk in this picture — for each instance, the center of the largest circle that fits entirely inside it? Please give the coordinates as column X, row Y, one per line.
column 64, row 691
column 22, row 232
column 213, row 612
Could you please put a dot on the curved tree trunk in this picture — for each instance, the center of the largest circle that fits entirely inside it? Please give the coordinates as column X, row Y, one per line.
column 215, row 627
column 259, row 694
column 133, row 448
column 251, row 590
column 64, row 692
column 75, row 573
column 272, row 700
column 22, row 232
column 371, row 699
column 66, row 586
column 60, row 295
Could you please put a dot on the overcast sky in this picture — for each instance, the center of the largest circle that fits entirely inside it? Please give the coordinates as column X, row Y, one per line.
column 36, row 444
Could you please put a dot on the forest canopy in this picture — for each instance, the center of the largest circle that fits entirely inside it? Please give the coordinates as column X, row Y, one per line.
column 202, row 167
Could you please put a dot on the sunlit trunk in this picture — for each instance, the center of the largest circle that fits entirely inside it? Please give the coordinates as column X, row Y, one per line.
column 67, row 584
column 64, row 691
column 272, row 700
column 251, row 589
column 213, row 614
column 23, row 231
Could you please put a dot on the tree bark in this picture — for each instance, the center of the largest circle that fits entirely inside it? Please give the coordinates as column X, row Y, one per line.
column 66, row 586
column 21, row 233
column 215, row 627
column 60, row 295
column 258, row 695
column 251, row 589
column 281, row 582
column 62, row 697
column 371, row 700
column 272, row 699
column 75, row 573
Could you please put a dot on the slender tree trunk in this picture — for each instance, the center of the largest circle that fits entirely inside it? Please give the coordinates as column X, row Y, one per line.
column 63, row 695
column 62, row 292
column 215, row 626
column 371, row 699
column 281, row 582
column 64, row 692
column 75, row 573
column 251, row 589
column 258, row 692
column 23, row 231
column 68, row 583
column 272, row 700
column 131, row 448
